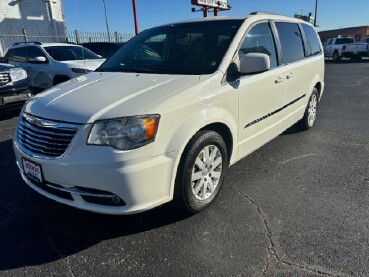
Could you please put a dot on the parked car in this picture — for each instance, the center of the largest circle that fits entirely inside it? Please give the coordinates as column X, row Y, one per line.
column 164, row 117
column 345, row 47
column 14, row 86
column 49, row 64
column 365, row 40
column 104, row 49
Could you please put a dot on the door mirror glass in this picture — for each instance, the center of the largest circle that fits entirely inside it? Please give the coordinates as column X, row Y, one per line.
column 253, row 63
column 38, row 59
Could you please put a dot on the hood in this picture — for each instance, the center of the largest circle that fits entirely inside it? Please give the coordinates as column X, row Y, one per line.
column 5, row 66
column 88, row 64
column 105, row 95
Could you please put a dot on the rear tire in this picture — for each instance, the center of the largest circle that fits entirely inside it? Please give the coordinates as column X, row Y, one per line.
column 336, row 56
column 200, row 172
column 307, row 122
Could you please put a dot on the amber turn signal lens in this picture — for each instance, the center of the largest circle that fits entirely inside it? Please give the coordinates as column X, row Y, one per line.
column 151, row 126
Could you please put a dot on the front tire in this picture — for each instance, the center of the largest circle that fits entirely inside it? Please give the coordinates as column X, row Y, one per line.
column 200, row 172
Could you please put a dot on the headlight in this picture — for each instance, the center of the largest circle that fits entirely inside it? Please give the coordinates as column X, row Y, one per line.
column 81, row 70
column 17, row 74
column 124, row 133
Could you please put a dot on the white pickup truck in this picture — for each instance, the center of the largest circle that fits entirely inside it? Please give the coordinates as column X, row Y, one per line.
column 345, row 47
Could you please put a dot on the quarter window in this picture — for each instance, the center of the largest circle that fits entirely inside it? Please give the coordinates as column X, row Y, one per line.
column 312, row 46
column 260, row 40
column 291, row 42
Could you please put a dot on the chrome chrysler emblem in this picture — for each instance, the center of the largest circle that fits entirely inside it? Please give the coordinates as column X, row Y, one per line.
column 38, row 121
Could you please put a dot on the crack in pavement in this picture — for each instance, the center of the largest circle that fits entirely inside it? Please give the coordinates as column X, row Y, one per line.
column 272, row 251
column 57, row 250
column 7, row 129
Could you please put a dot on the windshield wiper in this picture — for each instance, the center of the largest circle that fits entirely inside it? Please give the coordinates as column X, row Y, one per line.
column 140, row 70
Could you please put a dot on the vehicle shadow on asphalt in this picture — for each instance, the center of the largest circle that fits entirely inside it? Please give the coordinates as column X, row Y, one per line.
column 347, row 61
column 9, row 113
column 35, row 230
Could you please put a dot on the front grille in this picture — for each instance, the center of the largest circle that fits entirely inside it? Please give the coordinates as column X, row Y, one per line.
column 44, row 138
column 4, row 78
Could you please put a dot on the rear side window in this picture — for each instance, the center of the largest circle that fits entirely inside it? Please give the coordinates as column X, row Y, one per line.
column 19, row 55
column 312, row 46
column 260, row 40
column 291, row 42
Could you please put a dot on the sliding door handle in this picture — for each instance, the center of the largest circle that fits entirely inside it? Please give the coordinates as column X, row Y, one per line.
column 290, row 76
column 279, row 80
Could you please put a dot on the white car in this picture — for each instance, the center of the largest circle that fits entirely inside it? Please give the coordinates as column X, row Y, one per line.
column 346, row 47
column 48, row 64
column 165, row 116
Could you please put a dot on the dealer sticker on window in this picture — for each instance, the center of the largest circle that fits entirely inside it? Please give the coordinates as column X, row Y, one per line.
column 32, row 171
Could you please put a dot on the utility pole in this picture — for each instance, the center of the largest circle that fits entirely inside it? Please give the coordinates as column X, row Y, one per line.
column 135, row 16
column 106, row 21
column 316, row 12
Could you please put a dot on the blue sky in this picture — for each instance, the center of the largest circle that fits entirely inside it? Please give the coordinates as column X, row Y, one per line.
column 88, row 15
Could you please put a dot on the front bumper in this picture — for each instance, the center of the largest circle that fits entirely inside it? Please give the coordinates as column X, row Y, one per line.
column 14, row 92
column 141, row 181
column 351, row 54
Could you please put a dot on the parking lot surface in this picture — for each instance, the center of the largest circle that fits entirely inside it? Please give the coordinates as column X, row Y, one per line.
column 296, row 207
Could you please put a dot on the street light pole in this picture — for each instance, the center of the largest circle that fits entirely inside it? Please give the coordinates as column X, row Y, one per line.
column 106, row 21
column 135, row 16
column 316, row 12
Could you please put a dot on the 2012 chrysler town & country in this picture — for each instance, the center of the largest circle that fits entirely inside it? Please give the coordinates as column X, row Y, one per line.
column 165, row 116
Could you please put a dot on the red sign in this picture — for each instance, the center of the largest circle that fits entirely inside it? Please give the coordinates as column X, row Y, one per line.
column 220, row 4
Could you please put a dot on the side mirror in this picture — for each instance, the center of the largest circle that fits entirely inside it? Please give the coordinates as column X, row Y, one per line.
column 4, row 60
column 39, row 59
column 253, row 63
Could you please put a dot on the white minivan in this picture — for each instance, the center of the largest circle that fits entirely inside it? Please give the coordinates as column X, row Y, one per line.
column 165, row 116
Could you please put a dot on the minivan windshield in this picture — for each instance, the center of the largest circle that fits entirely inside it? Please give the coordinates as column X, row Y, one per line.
column 185, row 48
column 70, row 53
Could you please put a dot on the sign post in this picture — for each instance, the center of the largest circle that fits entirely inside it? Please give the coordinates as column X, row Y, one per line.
column 217, row 5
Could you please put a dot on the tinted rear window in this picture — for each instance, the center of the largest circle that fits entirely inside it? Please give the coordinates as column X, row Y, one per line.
column 312, row 46
column 344, row 40
column 291, row 42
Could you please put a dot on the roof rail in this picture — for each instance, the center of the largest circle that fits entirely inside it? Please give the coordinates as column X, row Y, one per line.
column 28, row 42
column 258, row 13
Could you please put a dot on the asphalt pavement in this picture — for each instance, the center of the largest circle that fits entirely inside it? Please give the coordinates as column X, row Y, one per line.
column 298, row 206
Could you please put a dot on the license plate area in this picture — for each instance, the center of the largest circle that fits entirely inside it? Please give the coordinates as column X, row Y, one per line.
column 33, row 171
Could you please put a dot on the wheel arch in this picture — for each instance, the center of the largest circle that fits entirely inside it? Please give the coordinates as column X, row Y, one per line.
column 318, row 86
column 215, row 119
column 223, row 130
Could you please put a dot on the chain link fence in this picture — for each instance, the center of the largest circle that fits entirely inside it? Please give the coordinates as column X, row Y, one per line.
column 8, row 38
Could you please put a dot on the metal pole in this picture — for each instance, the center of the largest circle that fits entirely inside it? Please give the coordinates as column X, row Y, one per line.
column 135, row 16
column 316, row 12
column 106, row 20
column 206, row 9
